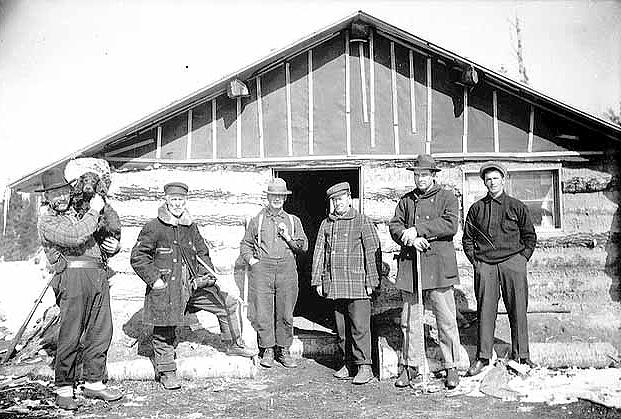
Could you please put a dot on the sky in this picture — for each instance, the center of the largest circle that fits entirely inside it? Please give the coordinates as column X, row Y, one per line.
column 74, row 71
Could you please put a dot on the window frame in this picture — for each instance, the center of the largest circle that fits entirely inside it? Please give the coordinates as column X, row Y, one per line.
column 556, row 170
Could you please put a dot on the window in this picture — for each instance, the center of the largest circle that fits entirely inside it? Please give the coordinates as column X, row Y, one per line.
column 539, row 189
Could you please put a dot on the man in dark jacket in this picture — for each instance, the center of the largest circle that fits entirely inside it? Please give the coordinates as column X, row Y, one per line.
column 346, row 266
column 272, row 240
column 81, row 288
column 499, row 239
column 171, row 258
column 424, row 224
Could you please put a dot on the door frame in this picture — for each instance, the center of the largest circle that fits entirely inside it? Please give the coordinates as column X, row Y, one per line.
column 314, row 168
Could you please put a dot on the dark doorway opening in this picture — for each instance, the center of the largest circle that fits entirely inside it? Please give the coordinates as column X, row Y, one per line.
column 308, row 201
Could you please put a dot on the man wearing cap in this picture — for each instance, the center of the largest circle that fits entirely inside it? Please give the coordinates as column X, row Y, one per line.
column 424, row 224
column 272, row 240
column 81, row 288
column 346, row 265
column 171, row 257
column 499, row 239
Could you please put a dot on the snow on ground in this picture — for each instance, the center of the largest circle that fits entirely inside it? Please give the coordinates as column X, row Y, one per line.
column 21, row 283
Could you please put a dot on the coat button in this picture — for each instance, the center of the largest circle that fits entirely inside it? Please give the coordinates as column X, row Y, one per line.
column 174, row 241
column 174, row 260
column 172, row 278
column 427, row 217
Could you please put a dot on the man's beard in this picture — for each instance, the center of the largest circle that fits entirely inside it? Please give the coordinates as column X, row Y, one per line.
column 60, row 205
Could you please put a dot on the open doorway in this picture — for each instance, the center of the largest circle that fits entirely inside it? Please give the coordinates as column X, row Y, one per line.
column 308, row 201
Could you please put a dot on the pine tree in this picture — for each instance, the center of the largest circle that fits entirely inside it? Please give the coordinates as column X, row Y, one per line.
column 20, row 240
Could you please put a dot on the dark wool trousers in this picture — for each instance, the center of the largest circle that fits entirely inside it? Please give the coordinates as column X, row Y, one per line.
column 353, row 326
column 508, row 278
column 85, row 325
column 273, row 293
column 210, row 299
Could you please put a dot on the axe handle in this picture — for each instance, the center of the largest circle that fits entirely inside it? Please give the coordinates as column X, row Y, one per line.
column 421, row 314
column 20, row 332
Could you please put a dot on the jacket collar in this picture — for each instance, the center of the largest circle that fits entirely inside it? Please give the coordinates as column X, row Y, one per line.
column 500, row 199
column 270, row 212
column 418, row 194
column 167, row 218
column 349, row 215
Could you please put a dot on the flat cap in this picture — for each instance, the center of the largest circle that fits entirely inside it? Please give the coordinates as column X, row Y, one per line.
column 338, row 189
column 176, row 188
column 491, row 165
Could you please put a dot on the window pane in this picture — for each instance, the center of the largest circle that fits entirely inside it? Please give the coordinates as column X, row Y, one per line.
column 536, row 189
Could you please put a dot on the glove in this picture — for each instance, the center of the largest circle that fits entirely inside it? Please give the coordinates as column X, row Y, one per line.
column 203, row 281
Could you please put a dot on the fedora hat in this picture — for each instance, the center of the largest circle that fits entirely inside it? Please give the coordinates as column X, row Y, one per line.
column 53, row 178
column 277, row 186
column 424, row 162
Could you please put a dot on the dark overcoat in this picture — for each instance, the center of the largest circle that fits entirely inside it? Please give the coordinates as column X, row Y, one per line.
column 158, row 254
column 435, row 216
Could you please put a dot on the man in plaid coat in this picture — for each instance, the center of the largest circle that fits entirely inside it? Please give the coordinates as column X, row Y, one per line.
column 346, row 266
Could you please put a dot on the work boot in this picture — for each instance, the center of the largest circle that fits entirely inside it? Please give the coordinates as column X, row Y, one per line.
column 405, row 376
column 527, row 362
column 364, row 375
column 452, row 378
column 284, row 357
column 268, row 358
column 66, row 403
column 106, row 394
column 477, row 366
column 169, row 380
column 343, row 373
column 238, row 348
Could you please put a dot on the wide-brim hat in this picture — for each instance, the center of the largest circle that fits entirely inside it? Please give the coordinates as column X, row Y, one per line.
column 277, row 186
column 424, row 162
column 51, row 179
column 492, row 165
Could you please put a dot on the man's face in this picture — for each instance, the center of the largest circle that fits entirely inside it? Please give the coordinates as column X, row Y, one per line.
column 59, row 198
column 176, row 204
column 341, row 203
column 276, row 201
column 494, row 182
column 424, row 179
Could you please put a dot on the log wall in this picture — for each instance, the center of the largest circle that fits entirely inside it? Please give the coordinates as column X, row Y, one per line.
column 576, row 267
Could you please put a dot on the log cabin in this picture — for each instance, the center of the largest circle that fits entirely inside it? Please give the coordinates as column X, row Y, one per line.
column 357, row 101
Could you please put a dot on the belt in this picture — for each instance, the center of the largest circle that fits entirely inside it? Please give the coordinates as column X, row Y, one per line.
column 84, row 264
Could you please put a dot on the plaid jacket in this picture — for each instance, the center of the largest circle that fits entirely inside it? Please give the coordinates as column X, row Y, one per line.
column 347, row 256
column 65, row 234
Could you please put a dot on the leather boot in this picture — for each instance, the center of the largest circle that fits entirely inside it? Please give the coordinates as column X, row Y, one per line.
column 169, row 380
column 343, row 373
column 284, row 357
column 66, row 403
column 268, row 358
column 405, row 376
column 364, row 375
column 238, row 348
column 452, row 378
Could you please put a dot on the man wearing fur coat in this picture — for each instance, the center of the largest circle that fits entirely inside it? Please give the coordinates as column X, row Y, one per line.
column 171, row 258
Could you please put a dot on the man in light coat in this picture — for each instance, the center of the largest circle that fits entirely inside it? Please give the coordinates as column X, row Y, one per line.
column 170, row 257
column 269, row 247
column 346, row 267
column 424, row 224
